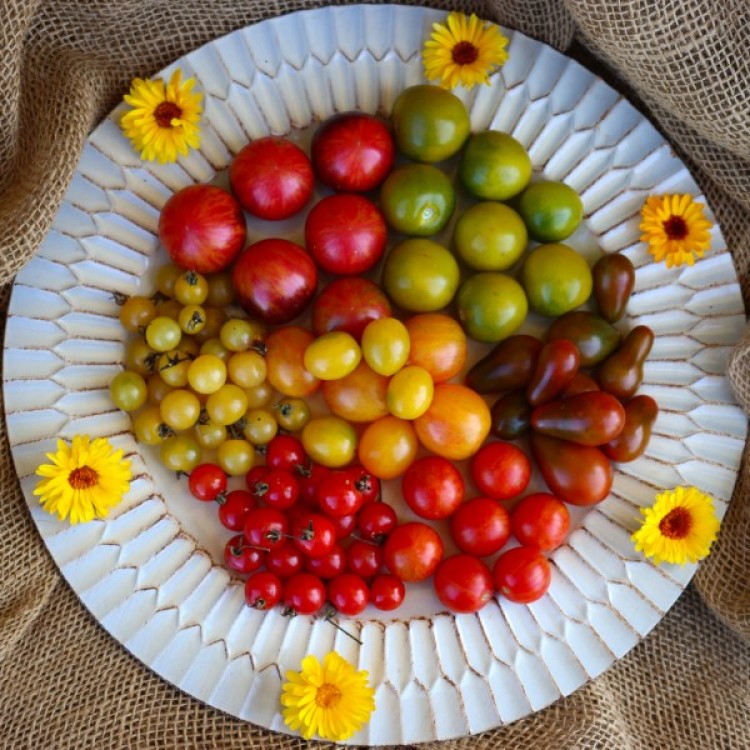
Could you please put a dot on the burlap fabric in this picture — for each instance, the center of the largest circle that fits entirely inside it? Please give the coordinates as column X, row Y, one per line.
column 64, row 683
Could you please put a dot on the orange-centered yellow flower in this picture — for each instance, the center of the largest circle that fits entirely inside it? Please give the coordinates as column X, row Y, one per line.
column 675, row 228
column 463, row 51
column 681, row 526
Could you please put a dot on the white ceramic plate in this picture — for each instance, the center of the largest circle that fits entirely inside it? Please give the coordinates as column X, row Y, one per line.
column 151, row 573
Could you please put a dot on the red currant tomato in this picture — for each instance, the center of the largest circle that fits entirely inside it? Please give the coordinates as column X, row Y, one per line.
column 352, row 151
column 376, row 520
column 313, row 534
column 344, row 526
column 278, row 489
column 338, row 494
column 207, row 482
column 233, row 511
column 541, row 521
column 463, row 583
column 413, row 551
column 285, row 452
column 364, row 559
column 480, row 527
column 303, row 594
column 329, row 565
column 387, row 592
column 272, row 178
column 241, row 557
column 265, row 527
column 368, row 484
column 348, row 593
column 309, row 479
column 522, row 574
column 263, row 590
column 284, row 560
column 501, row 470
column 433, row 487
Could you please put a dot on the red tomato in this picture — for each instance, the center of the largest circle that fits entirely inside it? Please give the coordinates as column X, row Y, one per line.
column 207, row 481
column 413, row 551
column 274, row 279
column 278, row 489
column 344, row 526
column 241, row 557
column 285, row 452
column 313, row 534
column 328, row 565
column 338, row 494
column 309, row 479
column 480, row 527
column 348, row 593
column 345, row 234
column 233, row 511
column 463, row 583
column 541, row 521
column 501, row 470
column 352, row 151
column 203, row 228
column 364, row 558
column 303, row 594
column 284, row 560
column 272, row 178
column 376, row 520
column 262, row 590
column 387, row 592
column 433, row 487
column 265, row 527
column 349, row 304
column 522, row 574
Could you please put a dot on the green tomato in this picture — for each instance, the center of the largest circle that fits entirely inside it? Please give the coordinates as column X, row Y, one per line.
column 491, row 306
column 420, row 275
column 494, row 166
column 490, row 237
column 429, row 123
column 417, row 199
column 552, row 210
column 557, row 279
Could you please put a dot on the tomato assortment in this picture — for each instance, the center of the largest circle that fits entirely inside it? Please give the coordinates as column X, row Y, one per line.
column 227, row 382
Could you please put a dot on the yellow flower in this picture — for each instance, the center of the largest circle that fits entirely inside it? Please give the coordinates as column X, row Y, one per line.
column 84, row 480
column 675, row 228
column 331, row 700
column 463, row 51
column 680, row 526
column 164, row 118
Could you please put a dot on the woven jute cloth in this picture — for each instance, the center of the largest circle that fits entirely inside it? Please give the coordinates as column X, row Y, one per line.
column 64, row 682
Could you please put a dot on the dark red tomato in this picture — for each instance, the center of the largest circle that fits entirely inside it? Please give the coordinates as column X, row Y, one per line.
column 203, row 228
column 303, row 594
column 207, row 481
column 364, row 558
column 284, row 560
column 463, row 583
column 328, row 565
column 433, row 487
column 541, row 521
column 349, row 304
column 272, row 178
column 522, row 574
column 413, row 551
column 278, row 489
column 387, row 592
column 285, row 452
column 352, row 151
column 348, row 594
column 255, row 476
column 313, row 534
column 500, row 470
column 233, row 511
column 262, row 590
column 344, row 526
column 265, row 527
column 309, row 478
column 241, row 557
column 345, row 234
column 338, row 494
column 274, row 279
column 376, row 520
column 480, row 527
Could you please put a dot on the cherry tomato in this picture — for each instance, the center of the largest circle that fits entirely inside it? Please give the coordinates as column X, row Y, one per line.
column 191, row 288
column 278, row 489
column 541, row 521
column 180, row 453
column 338, row 494
column 235, row 508
column 376, row 520
column 206, row 482
column 241, row 557
column 239, row 334
column 387, row 592
column 285, row 351
column 128, row 390
column 309, row 478
column 413, row 551
column 330, row 441
column 329, row 565
column 385, row 345
column 501, row 470
column 348, row 593
column 358, row 397
column 332, row 356
column 226, row 405
column 387, row 447
column 259, row 426
column 344, row 526
column 265, row 527
column 303, row 594
column 437, row 343
column 366, row 483
column 180, row 409
column 284, row 560
column 136, row 313
column 313, row 534
column 410, row 392
column 433, row 487
column 480, row 527
column 206, row 374
column 292, row 414
column 364, row 558
column 522, row 574
column 285, row 452
column 262, row 590
column 463, row 583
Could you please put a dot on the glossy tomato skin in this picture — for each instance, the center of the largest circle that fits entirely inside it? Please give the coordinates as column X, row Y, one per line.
column 387, row 592
column 621, row 374
column 511, row 416
column 348, row 593
column 501, row 470
column 508, row 366
column 203, row 228
column 557, row 365
column 438, row 344
column 272, row 178
column 345, row 234
column 480, row 527
column 522, row 574
column 640, row 414
column 285, row 352
column 413, row 551
column 387, row 447
column 463, row 583
column 349, row 304
column 614, row 279
column 274, row 280
column 433, row 487
column 541, row 520
column 594, row 337
column 303, row 594
column 352, row 151
column 358, row 397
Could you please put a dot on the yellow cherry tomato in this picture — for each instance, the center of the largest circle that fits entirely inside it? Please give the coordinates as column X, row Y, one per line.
column 388, row 447
column 332, row 356
column 410, row 392
column 207, row 373
column 236, row 457
column 330, row 441
column 226, row 405
column 246, row 369
column 385, row 345
column 180, row 409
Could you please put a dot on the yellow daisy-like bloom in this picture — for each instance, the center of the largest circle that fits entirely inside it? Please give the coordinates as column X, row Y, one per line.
column 464, row 50
column 164, row 120
column 680, row 526
column 84, row 480
column 675, row 228
column 331, row 699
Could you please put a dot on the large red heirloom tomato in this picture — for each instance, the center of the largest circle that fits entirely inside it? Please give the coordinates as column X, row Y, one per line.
column 349, row 304
column 203, row 228
column 274, row 279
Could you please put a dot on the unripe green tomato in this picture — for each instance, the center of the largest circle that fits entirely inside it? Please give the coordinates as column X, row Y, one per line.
column 491, row 306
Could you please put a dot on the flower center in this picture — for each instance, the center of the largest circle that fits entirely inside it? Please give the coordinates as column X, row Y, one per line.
column 82, row 478
column 676, row 524
column 165, row 113
column 464, row 53
column 328, row 695
column 676, row 228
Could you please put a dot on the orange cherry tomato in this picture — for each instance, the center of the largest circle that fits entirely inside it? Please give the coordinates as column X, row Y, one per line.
column 285, row 352
column 438, row 344
column 388, row 447
column 358, row 397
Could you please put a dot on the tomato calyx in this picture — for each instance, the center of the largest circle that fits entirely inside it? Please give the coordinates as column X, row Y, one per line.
column 365, row 484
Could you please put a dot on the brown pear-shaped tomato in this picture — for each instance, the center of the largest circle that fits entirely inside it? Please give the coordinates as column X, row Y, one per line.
column 614, row 278
column 587, row 419
column 577, row 474
column 511, row 416
column 507, row 367
column 595, row 338
column 621, row 373
column 640, row 415
column 556, row 367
